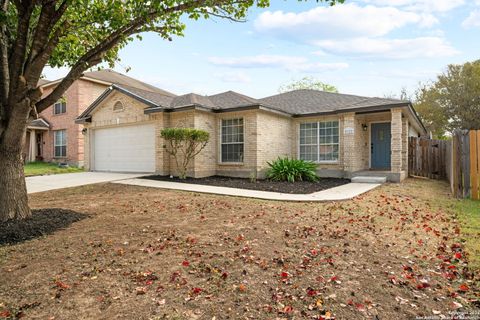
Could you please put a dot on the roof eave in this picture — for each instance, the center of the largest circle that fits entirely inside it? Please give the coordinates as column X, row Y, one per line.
column 83, row 120
column 377, row 108
column 95, row 103
column 255, row 106
column 37, row 128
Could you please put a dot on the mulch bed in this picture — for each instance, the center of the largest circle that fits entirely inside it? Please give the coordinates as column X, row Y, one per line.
column 41, row 223
column 299, row 187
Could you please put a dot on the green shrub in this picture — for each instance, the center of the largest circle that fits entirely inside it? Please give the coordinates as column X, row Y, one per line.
column 291, row 170
column 184, row 144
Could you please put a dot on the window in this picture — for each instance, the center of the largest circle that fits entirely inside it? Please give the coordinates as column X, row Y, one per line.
column 118, row 106
column 60, row 143
column 319, row 141
column 232, row 140
column 60, row 107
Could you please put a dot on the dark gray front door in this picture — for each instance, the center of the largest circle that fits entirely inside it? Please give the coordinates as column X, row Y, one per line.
column 381, row 146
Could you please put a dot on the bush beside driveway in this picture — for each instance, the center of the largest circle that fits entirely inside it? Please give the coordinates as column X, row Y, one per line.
column 145, row 253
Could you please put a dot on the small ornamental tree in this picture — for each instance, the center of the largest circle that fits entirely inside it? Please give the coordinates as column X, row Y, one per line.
column 184, row 144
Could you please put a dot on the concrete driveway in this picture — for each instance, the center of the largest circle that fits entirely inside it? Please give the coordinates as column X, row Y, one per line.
column 68, row 180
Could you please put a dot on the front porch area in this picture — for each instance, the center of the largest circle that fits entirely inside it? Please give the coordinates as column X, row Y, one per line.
column 376, row 144
column 34, row 140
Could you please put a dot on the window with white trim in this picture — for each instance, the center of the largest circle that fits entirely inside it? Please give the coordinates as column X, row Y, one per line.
column 232, row 145
column 60, row 106
column 319, row 141
column 60, row 143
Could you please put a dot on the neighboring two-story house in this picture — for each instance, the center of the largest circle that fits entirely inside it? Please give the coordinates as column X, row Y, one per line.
column 54, row 136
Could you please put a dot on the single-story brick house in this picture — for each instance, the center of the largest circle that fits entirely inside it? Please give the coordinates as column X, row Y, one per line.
column 343, row 134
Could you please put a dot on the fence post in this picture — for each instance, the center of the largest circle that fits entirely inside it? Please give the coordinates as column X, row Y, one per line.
column 466, row 163
column 474, row 164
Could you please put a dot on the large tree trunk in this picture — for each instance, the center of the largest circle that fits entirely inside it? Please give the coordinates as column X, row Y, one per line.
column 13, row 191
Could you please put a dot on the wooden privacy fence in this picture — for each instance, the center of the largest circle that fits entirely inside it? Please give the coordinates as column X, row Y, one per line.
column 427, row 158
column 465, row 171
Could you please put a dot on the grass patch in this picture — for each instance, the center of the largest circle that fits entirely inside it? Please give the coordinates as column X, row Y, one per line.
column 469, row 216
column 42, row 168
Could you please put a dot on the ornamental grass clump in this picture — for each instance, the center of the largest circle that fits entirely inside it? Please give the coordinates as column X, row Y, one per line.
column 291, row 170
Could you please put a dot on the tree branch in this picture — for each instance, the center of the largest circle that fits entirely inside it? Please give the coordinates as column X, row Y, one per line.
column 95, row 54
column 4, row 68
column 19, row 50
column 43, row 42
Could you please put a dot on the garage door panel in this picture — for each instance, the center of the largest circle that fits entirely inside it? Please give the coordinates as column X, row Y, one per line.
column 127, row 149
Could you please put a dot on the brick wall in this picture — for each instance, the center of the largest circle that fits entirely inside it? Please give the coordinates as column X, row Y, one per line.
column 274, row 139
column 405, row 130
column 205, row 162
column 397, row 139
column 78, row 97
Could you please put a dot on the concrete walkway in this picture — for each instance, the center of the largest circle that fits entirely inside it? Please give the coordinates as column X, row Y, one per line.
column 344, row 192
column 68, row 180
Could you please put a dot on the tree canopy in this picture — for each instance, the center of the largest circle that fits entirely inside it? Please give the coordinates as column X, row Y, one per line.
column 452, row 101
column 307, row 83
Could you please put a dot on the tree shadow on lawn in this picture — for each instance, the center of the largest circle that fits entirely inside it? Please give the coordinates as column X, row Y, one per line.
column 42, row 222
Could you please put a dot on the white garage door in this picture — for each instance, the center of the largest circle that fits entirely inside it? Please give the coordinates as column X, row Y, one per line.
column 124, row 149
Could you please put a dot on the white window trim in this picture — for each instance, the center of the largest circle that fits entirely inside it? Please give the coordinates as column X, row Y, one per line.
column 55, row 143
column 220, row 162
column 318, row 142
column 60, row 101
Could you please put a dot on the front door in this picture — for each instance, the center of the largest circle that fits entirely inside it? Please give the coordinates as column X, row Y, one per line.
column 39, row 142
column 380, row 148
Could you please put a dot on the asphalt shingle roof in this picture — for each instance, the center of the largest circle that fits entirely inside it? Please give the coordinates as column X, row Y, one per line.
column 231, row 99
column 114, row 77
column 306, row 101
column 296, row 103
column 156, row 98
column 191, row 99
column 38, row 123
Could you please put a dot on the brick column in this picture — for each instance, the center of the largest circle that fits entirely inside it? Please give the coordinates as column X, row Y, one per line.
column 348, row 132
column 405, row 145
column 397, row 145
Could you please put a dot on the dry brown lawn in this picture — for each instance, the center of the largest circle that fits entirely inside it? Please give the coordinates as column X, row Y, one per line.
column 139, row 253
